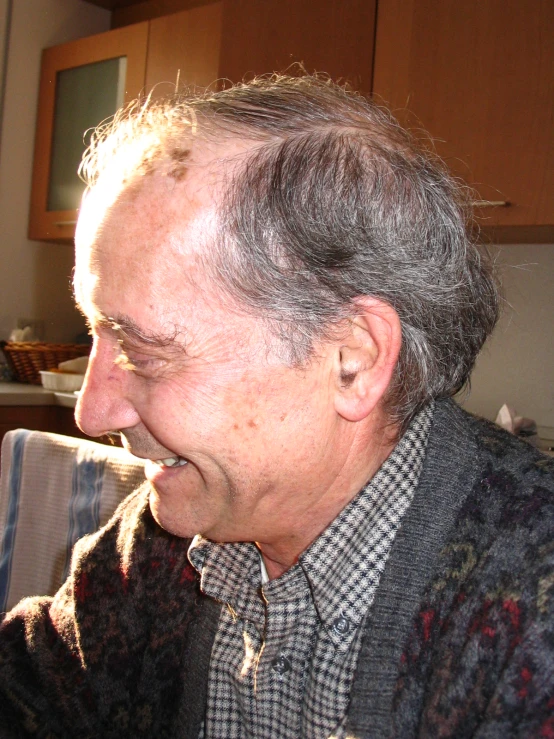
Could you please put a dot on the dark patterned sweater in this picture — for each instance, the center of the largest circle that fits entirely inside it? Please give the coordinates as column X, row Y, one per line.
column 459, row 641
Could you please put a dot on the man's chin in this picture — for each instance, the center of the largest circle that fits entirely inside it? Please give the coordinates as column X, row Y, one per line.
column 165, row 517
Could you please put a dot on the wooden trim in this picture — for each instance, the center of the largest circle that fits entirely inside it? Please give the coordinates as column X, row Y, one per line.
column 149, row 9
column 131, row 42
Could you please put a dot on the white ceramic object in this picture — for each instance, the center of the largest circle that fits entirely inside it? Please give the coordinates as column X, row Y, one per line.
column 63, row 382
column 77, row 365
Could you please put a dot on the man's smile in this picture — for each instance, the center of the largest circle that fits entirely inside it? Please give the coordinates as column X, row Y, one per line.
column 170, row 462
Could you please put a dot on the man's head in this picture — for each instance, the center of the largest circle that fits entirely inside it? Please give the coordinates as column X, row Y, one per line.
column 331, row 200
column 282, row 248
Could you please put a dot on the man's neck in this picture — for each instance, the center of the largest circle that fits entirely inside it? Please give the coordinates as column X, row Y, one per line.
column 361, row 464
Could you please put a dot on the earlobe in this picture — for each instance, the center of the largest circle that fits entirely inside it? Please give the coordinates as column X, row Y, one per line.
column 366, row 359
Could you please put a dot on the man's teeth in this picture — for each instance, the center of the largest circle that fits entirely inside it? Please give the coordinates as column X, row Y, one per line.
column 172, row 462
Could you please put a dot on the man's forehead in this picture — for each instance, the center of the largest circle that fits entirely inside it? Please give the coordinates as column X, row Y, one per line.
column 153, row 239
column 144, row 277
column 166, row 193
column 158, row 282
column 159, row 224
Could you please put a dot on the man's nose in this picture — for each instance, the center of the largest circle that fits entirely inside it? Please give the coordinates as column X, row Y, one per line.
column 104, row 403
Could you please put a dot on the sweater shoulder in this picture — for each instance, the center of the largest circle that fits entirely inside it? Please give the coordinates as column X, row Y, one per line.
column 480, row 649
column 466, row 594
column 111, row 648
column 513, row 492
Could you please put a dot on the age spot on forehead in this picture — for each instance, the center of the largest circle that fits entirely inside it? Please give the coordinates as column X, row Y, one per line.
column 179, row 168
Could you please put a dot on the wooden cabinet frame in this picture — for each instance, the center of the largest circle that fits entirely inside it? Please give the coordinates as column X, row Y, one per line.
column 479, row 76
column 132, row 42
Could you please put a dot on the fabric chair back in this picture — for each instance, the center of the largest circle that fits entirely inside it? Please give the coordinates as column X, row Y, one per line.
column 53, row 490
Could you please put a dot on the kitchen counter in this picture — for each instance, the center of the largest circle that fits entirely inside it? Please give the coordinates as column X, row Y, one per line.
column 21, row 393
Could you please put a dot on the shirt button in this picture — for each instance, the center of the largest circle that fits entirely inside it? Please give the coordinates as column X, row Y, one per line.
column 341, row 626
column 281, row 664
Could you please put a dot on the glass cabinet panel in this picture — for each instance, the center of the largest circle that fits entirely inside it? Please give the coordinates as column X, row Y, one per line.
column 85, row 96
column 82, row 83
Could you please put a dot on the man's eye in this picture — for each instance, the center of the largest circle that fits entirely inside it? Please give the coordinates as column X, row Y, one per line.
column 135, row 361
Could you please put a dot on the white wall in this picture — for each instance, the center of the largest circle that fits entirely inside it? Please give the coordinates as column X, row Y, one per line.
column 34, row 277
column 4, row 23
column 517, row 363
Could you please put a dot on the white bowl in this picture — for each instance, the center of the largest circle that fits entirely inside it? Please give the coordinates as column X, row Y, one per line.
column 64, row 382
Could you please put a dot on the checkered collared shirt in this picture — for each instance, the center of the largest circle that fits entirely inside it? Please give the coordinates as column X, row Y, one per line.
column 285, row 652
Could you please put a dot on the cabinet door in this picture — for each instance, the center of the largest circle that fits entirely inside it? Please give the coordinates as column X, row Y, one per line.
column 82, row 83
column 36, row 417
column 183, row 49
column 327, row 36
column 479, row 76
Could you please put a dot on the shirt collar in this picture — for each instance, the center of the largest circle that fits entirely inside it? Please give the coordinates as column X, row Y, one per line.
column 226, row 570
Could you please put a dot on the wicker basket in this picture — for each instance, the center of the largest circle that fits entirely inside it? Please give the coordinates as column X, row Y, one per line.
column 28, row 358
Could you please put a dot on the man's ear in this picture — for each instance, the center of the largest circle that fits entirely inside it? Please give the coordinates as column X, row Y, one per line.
column 366, row 358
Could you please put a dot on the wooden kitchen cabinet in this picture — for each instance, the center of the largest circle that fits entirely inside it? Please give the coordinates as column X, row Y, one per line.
column 261, row 36
column 53, row 418
column 336, row 38
column 81, row 83
column 184, row 47
column 38, row 418
column 479, row 76
column 157, row 53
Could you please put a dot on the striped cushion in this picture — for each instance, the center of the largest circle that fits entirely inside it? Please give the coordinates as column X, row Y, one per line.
column 53, row 490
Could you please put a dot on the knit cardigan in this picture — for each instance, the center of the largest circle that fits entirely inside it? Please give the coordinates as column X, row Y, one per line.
column 459, row 641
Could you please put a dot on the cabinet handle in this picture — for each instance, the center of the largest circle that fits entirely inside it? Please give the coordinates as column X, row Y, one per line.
column 490, row 203
column 65, row 223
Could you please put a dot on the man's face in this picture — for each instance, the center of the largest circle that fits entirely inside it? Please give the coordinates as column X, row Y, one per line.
column 252, row 442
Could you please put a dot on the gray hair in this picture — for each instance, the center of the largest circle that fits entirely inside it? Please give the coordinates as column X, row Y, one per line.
column 337, row 201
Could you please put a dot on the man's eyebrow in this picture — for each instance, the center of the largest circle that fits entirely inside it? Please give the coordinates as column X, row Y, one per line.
column 131, row 331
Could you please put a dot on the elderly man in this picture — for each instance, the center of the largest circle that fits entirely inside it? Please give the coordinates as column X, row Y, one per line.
column 283, row 297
